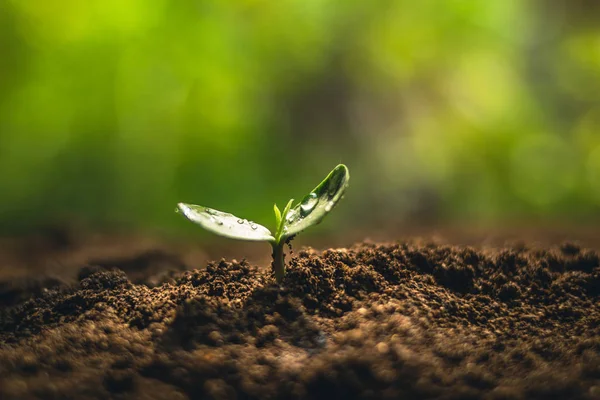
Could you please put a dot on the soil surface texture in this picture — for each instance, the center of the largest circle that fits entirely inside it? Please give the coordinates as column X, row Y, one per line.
column 375, row 321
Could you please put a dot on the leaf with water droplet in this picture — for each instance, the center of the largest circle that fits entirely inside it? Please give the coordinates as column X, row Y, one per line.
column 225, row 224
column 318, row 203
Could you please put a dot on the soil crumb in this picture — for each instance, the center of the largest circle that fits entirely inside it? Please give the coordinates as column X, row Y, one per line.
column 375, row 321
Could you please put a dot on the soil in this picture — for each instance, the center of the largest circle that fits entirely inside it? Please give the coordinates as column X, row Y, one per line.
column 375, row 321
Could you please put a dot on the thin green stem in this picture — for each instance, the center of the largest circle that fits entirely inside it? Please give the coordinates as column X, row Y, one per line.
column 278, row 263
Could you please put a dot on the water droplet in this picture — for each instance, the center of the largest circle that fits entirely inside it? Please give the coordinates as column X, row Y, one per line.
column 309, row 203
column 334, row 186
column 329, row 206
column 291, row 216
column 253, row 226
column 219, row 222
column 177, row 210
column 240, row 221
column 210, row 211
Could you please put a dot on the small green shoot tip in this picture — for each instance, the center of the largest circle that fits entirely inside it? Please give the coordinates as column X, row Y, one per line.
column 277, row 215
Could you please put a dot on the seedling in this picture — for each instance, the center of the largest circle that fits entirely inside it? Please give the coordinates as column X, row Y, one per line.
column 293, row 220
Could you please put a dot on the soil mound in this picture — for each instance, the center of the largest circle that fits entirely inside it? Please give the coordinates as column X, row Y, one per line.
column 376, row 321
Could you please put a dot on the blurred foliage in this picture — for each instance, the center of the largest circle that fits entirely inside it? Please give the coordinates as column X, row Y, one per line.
column 112, row 112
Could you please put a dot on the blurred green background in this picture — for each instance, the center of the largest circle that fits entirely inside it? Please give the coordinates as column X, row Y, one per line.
column 475, row 111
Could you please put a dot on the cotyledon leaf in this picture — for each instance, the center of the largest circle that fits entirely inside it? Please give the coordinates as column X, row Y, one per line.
column 225, row 224
column 318, row 203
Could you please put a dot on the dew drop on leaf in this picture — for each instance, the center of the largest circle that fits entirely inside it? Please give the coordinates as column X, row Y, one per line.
column 240, row 221
column 309, row 203
column 332, row 189
column 291, row 216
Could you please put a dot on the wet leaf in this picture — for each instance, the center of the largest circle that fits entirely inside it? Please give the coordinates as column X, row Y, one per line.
column 225, row 224
column 318, row 203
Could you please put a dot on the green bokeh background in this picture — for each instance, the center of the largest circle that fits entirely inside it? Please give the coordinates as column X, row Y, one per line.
column 111, row 112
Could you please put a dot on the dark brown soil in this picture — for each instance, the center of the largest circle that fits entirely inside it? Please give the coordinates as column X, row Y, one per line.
column 371, row 322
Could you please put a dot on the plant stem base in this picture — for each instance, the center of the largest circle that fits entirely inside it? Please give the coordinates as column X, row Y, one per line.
column 278, row 263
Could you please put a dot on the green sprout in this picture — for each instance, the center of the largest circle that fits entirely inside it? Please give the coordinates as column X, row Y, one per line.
column 293, row 220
